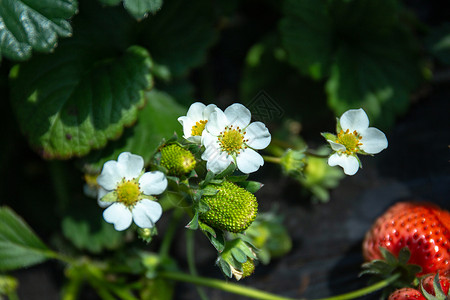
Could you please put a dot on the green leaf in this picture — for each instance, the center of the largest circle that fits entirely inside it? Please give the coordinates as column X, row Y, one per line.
column 156, row 121
column 110, row 2
column 72, row 102
column 33, row 25
column 179, row 35
column 307, row 36
column 137, row 8
column 269, row 96
column 91, row 234
column 375, row 79
column 140, row 8
column 438, row 43
column 19, row 246
column 370, row 57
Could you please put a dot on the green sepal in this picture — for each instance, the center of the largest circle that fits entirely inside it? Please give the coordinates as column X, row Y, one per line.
column 439, row 293
column 173, row 178
column 338, row 125
column 202, row 207
column 194, row 148
column 389, row 265
column 209, row 191
column 227, row 172
column 237, row 178
column 218, row 241
column 329, row 136
column 239, row 255
column 173, row 139
column 225, row 267
column 209, row 176
column 147, row 234
column 206, row 228
column 110, row 197
column 217, row 181
column 192, row 174
column 251, row 186
column 193, row 224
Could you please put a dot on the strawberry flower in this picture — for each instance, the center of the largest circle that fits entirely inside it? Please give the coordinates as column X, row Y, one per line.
column 127, row 192
column 354, row 137
column 195, row 121
column 231, row 138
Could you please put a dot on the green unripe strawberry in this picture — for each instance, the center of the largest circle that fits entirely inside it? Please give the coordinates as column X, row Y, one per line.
column 177, row 160
column 248, row 268
column 232, row 209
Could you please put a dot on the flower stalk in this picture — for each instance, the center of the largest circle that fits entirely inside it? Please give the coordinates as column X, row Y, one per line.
column 258, row 294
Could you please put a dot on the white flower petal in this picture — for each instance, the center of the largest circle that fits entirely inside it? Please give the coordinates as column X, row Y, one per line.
column 195, row 111
column 258, row 135
column 336, row 146
column 373, row 140
column 131, row 165
column 349, row 163
column 119, row 215
column 100, row 193
column 195, row 139
column 153, row 183
column 218, row 163
column 249, row 161
column 238, row 115
column 187, row 126
column 146, row 213
column 110, row 176
column 354, row 119
column 217, row 122
column 209, row 110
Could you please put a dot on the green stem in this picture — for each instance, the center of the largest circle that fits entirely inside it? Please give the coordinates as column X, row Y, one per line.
column 257, row 294
column 222, row 285
column 170, row 233
column 272, row 159
column 309, row 153
column 364, row 291
column 282, row 144
column 190, row 252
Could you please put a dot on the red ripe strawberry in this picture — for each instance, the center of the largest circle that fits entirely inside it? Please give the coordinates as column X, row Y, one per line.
column 427, row 283
column 422, row 227
column 406, row 293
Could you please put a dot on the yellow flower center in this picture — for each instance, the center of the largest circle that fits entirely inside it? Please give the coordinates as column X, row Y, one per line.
column 128, row 192
column 351, row 141
column 198, row 128
column 232, row 140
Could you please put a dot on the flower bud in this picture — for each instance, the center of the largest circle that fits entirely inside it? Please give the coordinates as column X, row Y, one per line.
column 293, row 162
column 232, row 209
column 177, row 160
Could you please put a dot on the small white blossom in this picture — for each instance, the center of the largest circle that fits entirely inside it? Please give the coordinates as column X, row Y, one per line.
column 231, row 138
column 355, row 137
column 126, row 192
column 195, row 120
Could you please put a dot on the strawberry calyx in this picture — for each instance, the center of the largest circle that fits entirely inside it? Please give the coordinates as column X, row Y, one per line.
column 437, row 292
column 384, row 268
